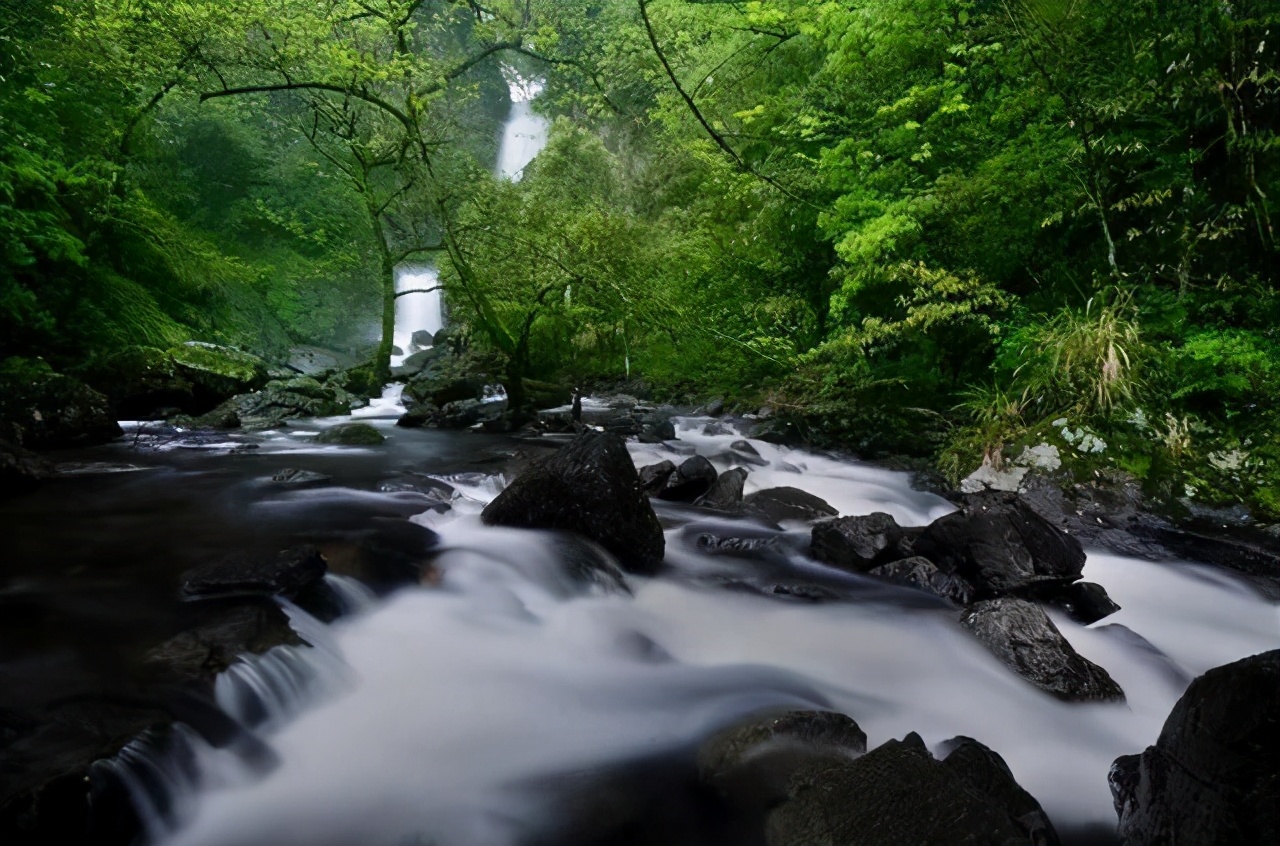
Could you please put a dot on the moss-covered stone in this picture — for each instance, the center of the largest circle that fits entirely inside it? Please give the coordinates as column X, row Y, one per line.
column 351, row 434
column 219, row 372
column 42, row 409
column 139, row 382
column 363, row 381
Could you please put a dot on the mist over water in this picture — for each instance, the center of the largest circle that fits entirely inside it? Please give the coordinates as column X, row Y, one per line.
column 448, row 714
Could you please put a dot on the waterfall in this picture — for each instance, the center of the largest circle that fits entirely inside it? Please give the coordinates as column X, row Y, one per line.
column 525, row 133
column 523, row 136
column 416, row 311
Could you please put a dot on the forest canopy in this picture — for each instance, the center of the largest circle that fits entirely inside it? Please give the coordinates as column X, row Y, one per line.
column 943, row 228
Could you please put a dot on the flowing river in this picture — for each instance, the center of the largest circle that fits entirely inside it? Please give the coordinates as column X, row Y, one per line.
column 482, row 706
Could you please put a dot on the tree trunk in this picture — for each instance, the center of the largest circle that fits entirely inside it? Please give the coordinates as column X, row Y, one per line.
column 382, row 360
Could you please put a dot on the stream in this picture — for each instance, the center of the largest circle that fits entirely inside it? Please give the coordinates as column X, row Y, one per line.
column 477, row 707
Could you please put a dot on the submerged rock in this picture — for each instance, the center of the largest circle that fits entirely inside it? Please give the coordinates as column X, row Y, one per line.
column 726, row 493
column 898, row 793
column 750, row 764
column 786, row 503
column 589, row 486
column 691, row 480
column 284, row 574
column 1000, row 545
column 291, row 477
column 351, row 434
column 857, row 544
column 1213, row 776
column 1023, row 637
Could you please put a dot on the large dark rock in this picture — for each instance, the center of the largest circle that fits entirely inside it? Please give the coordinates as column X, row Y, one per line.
column 898, row 794
column 284, row 574
column 750, row 764
column 589, row 486
column 744, row 452
column 418, row 361
column 1022, row 636
column 857, row 544
column 726, row 493
column 351, row 434
column 41, row 409
column 653, row 477
column 786, row 503
column 218, row 373
column 1213, row 776
column 691, row 480
column 139, row 382
column 1000, row 545
column 920, row 573
column 656, row 433
column 20, row 470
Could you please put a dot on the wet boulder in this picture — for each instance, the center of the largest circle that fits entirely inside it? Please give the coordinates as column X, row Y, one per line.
column 726, row 492
column 1213, row 776
column 284, row 574
column 656, row 433
column 41, row 409
column 421, row 415
column 589, row 486
column 899, row 793
column 692, row 479
column 653, row 477
column 744, row 452
column 351, row 434
column 717, row 429
column 857, row 544
column 921, row 574
column 418, row 361
column 1084, row 602
column 295, row 479
column 775, row 505
column 1000, row 545
column 750, row 764
column 1023, row 637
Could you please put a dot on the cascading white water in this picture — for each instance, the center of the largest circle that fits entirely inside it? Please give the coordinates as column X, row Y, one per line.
column 525, row 133
column 416, row 312
column 454, row 706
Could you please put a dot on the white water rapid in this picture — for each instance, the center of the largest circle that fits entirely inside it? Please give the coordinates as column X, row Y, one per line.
column 459, row 713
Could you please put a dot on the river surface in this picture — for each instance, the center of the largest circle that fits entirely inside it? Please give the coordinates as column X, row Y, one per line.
column 473, row 709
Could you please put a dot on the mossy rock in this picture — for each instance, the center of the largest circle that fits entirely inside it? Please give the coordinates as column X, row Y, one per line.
column 351, row 434
column 139, row 381
column 42, row 409
column 363, row 381
column 219, row 372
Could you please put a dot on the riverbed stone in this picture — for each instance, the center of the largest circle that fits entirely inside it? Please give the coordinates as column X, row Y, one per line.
column 351, row 434
column 725, row 493
column 1000, row 545
column 1213, row 776
column 751, row 763
column 219, row 372
column 920, row 573
column 1084, row 602
column 21, row 471
column 283, row 574
column 656, row 433
column 653, row 477
column 589, row 486
column 775, row 505
column 856, row 544
column 898, row 793
column 1023, row 637
column 693, row 478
